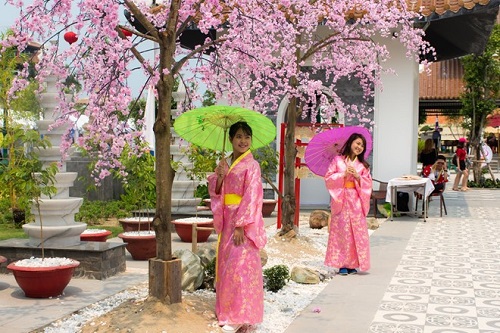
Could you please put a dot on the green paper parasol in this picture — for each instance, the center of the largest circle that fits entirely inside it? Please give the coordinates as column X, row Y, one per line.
column 208, row 126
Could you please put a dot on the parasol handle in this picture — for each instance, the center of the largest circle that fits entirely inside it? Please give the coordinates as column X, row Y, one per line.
column 224, row 143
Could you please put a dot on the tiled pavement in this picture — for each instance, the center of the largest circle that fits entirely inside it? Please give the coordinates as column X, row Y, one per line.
column 448, row 279
column 439, row 276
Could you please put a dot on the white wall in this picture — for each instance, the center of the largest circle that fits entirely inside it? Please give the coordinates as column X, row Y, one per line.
column 396, row 117
column 313, row 193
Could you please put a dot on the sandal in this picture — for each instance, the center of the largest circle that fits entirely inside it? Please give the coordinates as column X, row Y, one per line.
column 455, row 189
column 464, row 189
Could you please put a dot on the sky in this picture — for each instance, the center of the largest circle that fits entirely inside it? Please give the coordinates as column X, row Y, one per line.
column 8, row 15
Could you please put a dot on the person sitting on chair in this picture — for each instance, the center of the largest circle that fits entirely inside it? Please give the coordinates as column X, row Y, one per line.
column 437, row 173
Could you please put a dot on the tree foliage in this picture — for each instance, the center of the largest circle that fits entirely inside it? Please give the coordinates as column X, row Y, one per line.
column 482, row 91
column 22, row 104
column 482, row 85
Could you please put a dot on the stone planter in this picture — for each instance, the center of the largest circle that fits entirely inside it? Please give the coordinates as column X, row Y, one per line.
column 43, row 282
column 140, row 245
column 184, row 228
column 94, row 235
column 136, row 223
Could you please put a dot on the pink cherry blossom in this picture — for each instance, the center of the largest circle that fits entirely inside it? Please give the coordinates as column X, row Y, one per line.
column 264, row 52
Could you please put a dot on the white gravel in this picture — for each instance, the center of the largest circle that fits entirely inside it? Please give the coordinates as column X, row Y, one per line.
column 139, row 233
column 93, row 231
column 191, row 220
column 47, row 262
column 280, row 308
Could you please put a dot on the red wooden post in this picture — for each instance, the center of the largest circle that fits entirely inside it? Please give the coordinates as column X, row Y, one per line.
column 280, row 171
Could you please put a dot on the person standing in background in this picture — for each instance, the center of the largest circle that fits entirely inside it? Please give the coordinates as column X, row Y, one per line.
column 462, row 171
column 349, row 183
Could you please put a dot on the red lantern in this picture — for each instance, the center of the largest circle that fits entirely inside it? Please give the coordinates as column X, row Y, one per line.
column 70, row 37
column 126, row 32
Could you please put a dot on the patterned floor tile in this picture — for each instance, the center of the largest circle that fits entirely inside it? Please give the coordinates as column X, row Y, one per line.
column 448, row 279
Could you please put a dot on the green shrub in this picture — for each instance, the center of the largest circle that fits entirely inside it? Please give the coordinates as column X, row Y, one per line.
column 94, row 212
column 484, row 183
column 275, row 277
column 203, row 160
column 202, row 193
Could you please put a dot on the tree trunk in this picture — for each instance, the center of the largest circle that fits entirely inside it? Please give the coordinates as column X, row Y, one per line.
column 288, row 203
column 167, row 286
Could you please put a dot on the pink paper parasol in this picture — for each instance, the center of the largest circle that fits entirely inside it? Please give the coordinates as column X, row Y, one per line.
column 326, row 145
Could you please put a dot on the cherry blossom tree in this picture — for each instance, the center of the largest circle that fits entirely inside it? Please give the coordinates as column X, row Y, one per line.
column 263, row 52
column 278, row 49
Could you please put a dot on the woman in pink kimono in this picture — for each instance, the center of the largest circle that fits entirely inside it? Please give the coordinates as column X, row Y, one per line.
column 349, row 183
column 236, row 201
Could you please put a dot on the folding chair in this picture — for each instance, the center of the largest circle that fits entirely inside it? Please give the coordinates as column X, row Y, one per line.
column 378, row 195
column 442, row 203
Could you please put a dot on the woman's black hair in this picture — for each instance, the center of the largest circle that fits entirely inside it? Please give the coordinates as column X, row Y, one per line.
column 460, row 144
column 346, row 150
column 236, row 126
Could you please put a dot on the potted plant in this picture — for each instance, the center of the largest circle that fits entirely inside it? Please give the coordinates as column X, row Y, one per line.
column 27, row 178
column 140, row 194
column 184, row 228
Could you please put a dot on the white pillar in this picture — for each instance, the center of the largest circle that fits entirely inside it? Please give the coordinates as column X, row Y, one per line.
column 396, row 117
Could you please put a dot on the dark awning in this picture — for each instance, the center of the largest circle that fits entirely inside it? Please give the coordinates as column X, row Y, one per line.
column 457, row 34
column 447, row 107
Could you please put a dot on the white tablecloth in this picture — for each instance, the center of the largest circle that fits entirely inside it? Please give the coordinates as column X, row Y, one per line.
column 409, row 186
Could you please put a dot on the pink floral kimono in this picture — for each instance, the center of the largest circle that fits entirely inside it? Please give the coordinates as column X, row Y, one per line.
column 348, row 242
column 239, row 285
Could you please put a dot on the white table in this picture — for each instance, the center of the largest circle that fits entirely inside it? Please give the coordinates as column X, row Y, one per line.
column 422, row 186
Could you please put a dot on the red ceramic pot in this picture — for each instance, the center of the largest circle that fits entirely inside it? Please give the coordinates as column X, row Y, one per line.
column 184, row 229
column 136, row 224
column 268, row 206
column 140, row 246
column 207, row 203
column 95, row 236
column 43, row 282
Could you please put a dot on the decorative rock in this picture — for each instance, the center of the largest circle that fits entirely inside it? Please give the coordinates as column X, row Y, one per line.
column 263, row 257
column 372, row 223
column 289, row 236
column 192, row 270
column 319, row 219
column 207, row 253
column 304, row 275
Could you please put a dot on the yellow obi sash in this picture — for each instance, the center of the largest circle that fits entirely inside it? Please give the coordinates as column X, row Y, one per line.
column 349, row 185
column 232, row 199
